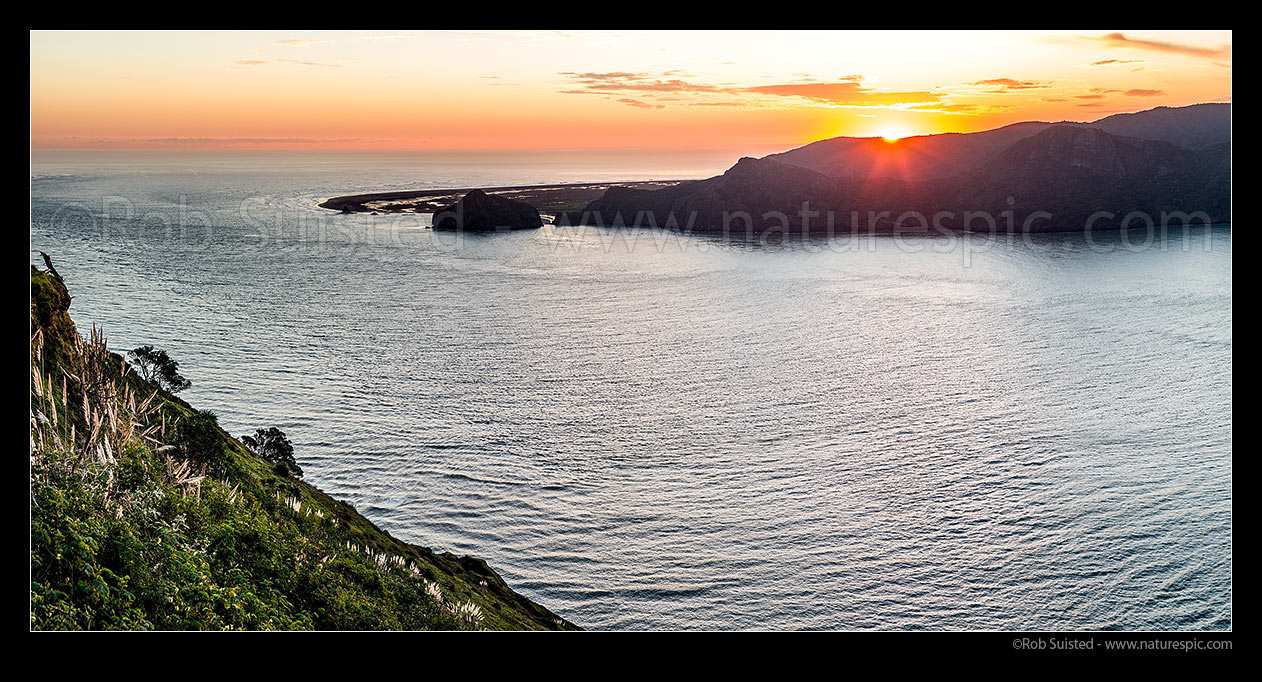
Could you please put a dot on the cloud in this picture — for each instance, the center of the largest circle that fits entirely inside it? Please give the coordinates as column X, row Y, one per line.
column 243, row 140
column 1120, row 40
column 1008, row 84
column 604, row 76
column 634, row 87
column 845, row 93
column 299, row 42
column 614, row 82
column 1099, row 93
column 640, row 105
column 1116, row 61
column 960, row 108
column 251, row 62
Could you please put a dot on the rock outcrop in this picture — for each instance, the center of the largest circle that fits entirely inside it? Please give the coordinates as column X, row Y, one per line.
column 482, row 212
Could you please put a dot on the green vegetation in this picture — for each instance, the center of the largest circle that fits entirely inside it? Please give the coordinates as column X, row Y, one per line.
column 156, row 367
column 145, row 514
column 272, row 445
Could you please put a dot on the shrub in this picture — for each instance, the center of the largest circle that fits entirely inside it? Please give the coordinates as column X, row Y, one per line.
column 272, row 445
column 201, row 440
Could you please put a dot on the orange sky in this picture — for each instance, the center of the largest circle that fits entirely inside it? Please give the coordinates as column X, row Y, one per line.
column 585, row 89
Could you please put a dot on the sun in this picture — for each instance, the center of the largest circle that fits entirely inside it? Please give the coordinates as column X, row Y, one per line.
column 891, row 134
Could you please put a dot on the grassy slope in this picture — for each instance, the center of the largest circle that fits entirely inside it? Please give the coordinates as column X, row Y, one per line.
column 125, row 536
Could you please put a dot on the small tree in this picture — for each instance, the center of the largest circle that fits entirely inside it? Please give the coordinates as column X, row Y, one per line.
column 272, row 445
column 156, row 367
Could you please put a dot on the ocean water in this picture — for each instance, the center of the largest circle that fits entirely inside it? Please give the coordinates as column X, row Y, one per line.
column 646, row 430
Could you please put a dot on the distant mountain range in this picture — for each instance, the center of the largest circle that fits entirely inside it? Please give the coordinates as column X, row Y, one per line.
column 925, row 157
column 1058, row 176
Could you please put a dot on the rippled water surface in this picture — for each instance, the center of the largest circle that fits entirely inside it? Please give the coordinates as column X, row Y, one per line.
column 642, row 430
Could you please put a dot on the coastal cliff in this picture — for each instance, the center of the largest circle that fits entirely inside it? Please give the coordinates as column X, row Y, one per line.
column 146, row 515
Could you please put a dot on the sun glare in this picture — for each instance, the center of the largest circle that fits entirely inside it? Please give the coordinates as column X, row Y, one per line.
column 891, row 134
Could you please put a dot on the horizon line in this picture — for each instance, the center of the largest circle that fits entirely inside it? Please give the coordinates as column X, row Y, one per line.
column 312, row 144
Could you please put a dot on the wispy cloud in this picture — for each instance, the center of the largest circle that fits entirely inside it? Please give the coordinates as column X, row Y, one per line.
column 960, row 108
column 1101, row 93
column 653, row 90
column 640, row 104
column 613, row 82
column 1009, row 84
column 846, row 93
column 243, row 140
column 299, row 42
column 1106, row 62
column 1120, row 40
column 497, row 81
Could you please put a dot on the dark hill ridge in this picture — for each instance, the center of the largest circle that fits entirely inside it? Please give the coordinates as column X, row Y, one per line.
column 1074, row 172
column 752, row 186
column 1071, row 171
column 920, row 157
column 928, row 157
column 1196, row 127
column 753, row 197
column 1099, row 152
